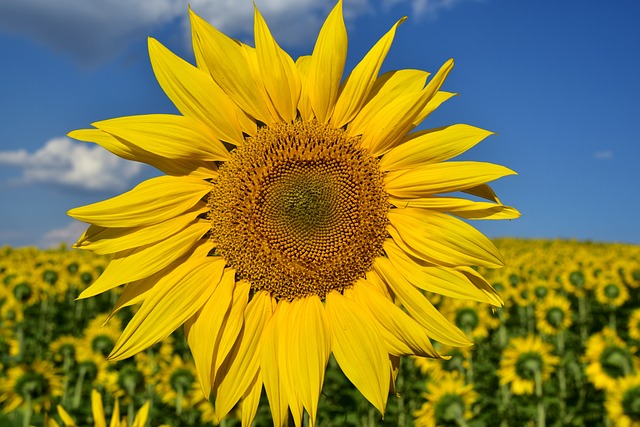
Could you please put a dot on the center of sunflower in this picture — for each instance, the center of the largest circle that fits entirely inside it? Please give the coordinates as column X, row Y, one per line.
column 299, row 210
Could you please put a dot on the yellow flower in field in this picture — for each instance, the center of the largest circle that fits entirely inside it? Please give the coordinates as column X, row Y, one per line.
column 611, row 291
column 470, row 316
column 553, row 315
column 36, row 385
column 623, row 402
column 99, row 417
column 178, row 384
column 523, row 360
column 449, row 402
column 633, row 325
column 296, row 209
column 608, row 359
column 101, row 334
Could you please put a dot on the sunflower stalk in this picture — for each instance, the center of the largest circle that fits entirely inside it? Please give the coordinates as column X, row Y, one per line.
column 77, row 394
column 541, row 415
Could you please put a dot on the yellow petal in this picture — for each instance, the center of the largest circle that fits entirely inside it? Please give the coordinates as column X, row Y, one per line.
column 464, row 208
column 484, row 191
column 357, row 86
column 274, row 382
column 482, row 284
column 152, row 201
column 243, row 362
column 443, row 239
column 136, row 292
column 438, row 99
column 140, row 419
column 171, row 136
column 419, row 307
column 303, row 64
column 205, row 325
column 279, row 73
column 386, row 90
column 97, row 409
column 232, row 325
column 115, row 416
column 136, row 264
column 402, row 334
column 195, row 94
column 441, row 280
column 224, row 59
column 170, row 303
column 102, row 240
column 65, row 417
column 358, row 349
column 327, row 64
column 250, row 401
column 392, row 122
column 175, row 167
column 431, row 146
column 444, row 177
column 310, row 349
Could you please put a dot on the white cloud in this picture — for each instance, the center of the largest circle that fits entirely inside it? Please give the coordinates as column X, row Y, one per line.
column 93, row 32
column 68, row 234
column 428, row 8
column 62, row 161
column 603, row 155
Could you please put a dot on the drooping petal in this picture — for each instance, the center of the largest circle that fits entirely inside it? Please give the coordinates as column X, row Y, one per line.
column 224, row 59
column 443, row 239
column 250, row 401
column 464, row 208
column 207, row 322
column 65, row 417
column 104, row 240
column 327, row 64
column 356, row 87
column 152, row 201
column 195, row 94
column 140, row 420
column 136, row 264
column 431, row 146
column 171, row 136
column 402, row 334
column 173, row 300
column 279, row 73
column 432, row 278
column 125, row 150
column 240, row 367
column 275, row 383
column 444, row 177
column 419, row 307
column 358, row 349
column 310, row 350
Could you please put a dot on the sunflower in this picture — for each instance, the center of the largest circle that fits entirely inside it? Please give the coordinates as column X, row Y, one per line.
column 35, row 385
column 611, row 291
column 553, row 315
column 99, row 417
column 449, row 402
column 633, row 325
column 608, row 359
column 178, row 385
column 296, row 209
column 100, row 336
column 523, row 360
column 623, row 402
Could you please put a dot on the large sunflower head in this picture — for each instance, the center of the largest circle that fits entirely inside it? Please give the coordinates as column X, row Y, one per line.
column 301, row 214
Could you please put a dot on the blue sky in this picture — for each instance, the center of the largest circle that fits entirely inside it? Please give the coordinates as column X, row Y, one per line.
column 557, row 80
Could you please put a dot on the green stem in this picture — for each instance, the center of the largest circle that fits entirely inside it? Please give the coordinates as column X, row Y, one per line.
column 541, row 411
column 78, row 390
column 582, row 316
column 562, row 378
column 179, row 401
column 26, row 421
column 612, row 317
column 504, row 405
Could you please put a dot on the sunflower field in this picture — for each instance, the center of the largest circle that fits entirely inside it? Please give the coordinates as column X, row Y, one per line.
column 563, row 351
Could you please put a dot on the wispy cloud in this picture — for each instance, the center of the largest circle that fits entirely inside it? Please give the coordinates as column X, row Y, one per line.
column 603, row 155
column 62, row 161
column 68, row 234
column 428, row 8
column 94, row 32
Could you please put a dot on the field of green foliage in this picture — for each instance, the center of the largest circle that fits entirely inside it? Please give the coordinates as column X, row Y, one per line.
column 563, row 351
